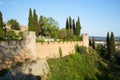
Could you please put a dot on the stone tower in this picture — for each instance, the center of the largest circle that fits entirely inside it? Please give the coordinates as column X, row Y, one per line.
column 85, row 40
column 30, row 42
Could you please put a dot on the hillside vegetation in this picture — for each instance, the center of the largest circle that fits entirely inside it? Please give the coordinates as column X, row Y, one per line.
column 78, row 66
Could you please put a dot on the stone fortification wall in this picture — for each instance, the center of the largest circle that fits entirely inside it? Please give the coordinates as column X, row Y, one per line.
column 51, row 50
column 47, row 49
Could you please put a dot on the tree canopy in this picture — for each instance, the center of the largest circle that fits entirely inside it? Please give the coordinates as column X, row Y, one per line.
column 50, row 27
column 14, row 24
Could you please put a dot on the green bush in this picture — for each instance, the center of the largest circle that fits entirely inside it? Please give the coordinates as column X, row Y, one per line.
column 76, row 48
column 72, row 38
column 102, row 51
column 80, row 49
column 60, row 52
column 39, row 40
column 11, row 35
column 20, row 35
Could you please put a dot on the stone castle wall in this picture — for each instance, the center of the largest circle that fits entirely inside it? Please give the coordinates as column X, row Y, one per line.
column 46, row 50
column 51, row 50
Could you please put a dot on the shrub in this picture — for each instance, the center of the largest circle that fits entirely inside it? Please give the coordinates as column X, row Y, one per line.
column 102, row 51
column 20, row 35
column 39, row 40
column 76, row 48
column 80, row 49
column 11, row 35
column 60, row 52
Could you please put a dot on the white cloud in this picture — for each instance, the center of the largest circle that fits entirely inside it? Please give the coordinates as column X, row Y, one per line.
column 13, row 3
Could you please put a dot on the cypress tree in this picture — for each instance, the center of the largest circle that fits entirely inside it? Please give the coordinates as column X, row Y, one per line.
column 30, row 25
column 108, row 40
column 90, row 42
column 78, row 27
column 41, row 23
column 67, row 24
column 1, row 20
column 35, row 21
column 77, row 30
column 74, row 29
column 93, row 43
column 2, row 33
column 71, row 31
column 70, row 24
column 112, row 44
column 108, row 45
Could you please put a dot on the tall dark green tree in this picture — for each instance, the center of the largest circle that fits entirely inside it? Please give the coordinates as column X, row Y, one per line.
column 74, row 28
column 78, row 27
column 112, row 44
column 30, row 22
column 41, row 24
column 67, row 24
column 90, row 42
column 71, row 31
column 70, row 22
column 108, row 46
column 93, row 43
column 1, row 20
column 35, row 22
column 2, row 34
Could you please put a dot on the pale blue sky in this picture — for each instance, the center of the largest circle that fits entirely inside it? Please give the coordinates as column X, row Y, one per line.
column 97, row 17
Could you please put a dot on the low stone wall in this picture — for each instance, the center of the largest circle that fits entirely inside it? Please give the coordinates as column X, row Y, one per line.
column 10, row 44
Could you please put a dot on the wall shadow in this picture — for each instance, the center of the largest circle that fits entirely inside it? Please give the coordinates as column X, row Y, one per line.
column 18, row 75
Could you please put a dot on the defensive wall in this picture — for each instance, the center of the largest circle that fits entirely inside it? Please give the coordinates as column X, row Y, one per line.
column 46, row 50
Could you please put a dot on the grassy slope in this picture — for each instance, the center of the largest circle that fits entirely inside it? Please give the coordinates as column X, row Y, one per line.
column 78, row 67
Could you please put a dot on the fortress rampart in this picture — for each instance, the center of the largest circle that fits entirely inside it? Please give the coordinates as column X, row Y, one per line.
column 46, row 50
